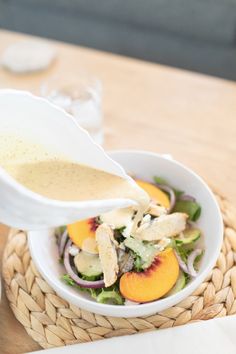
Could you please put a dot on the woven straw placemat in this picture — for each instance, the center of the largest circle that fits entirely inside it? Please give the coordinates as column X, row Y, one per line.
column 51, row 321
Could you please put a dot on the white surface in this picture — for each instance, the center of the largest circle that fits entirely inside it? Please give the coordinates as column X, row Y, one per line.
column 39, row 121
column 28, row 56
column 214, row 337
column 144, row 165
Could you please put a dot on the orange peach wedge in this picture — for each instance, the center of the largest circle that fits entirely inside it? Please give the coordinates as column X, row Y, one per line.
column 154, row 282
column 154, row 193
column 82, row 234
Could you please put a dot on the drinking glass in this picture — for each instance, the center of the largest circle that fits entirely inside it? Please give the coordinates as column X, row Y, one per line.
column 80, row 95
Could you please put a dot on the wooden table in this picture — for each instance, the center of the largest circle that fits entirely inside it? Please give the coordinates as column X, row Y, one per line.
column 146, row 106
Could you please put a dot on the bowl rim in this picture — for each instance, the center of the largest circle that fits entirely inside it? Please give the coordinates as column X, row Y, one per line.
column 146, row 308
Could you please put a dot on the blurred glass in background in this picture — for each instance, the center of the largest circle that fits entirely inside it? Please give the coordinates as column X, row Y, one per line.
column 81, row 96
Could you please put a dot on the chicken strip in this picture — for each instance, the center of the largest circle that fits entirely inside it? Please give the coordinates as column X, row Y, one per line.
column 163, row 226
column 156, row 210
column 107, row 254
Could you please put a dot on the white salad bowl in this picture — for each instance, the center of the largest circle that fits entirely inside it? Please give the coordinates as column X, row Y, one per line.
column 144, row 165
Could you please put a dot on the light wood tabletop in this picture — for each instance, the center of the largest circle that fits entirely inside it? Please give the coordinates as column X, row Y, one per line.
column 146, row 106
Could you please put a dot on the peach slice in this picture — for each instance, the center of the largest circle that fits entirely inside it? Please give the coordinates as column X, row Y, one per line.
column 154, row 282
column 155, row 193
column 82, row 233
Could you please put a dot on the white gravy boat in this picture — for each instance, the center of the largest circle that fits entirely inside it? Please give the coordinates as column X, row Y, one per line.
column 31, row 117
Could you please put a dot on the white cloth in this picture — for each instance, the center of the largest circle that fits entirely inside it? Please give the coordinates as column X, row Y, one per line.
column 214, row 336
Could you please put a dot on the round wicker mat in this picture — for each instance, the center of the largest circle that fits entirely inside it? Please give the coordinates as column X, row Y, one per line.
column 51, row 321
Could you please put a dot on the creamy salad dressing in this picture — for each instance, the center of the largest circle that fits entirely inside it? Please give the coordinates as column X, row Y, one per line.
column 56, row 177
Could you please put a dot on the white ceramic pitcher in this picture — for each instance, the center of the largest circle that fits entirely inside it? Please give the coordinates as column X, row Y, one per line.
column 35, row 118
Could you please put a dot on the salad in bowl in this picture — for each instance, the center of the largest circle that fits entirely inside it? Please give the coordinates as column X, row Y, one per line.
column 104, row 266
column 118, row 264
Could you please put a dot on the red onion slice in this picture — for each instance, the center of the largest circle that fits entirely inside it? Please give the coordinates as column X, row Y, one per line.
column 188, row 198
column 81, row 282
column 182, row 265
column 62, row 243
column 190, row 262
column 189, row 268
column 170, row 191
column 193, row 224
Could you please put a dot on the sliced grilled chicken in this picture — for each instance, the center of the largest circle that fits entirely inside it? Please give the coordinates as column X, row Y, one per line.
column 156, row 210
column 163, row 226
column 119, row 218
column 107, row 254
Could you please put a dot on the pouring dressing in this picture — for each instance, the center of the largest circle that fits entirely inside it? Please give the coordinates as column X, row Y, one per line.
column 48, row 185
